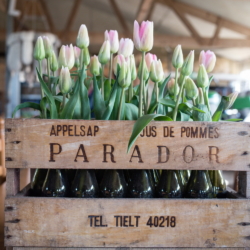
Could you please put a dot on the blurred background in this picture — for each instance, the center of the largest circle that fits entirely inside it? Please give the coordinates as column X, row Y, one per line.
column 222, row 26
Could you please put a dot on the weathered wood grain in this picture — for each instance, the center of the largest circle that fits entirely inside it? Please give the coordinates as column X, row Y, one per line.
column 64, row 222
column 122, row 248
column 12, row 181
column 29, row 145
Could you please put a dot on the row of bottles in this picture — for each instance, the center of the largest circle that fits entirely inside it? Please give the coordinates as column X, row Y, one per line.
column 87, row 183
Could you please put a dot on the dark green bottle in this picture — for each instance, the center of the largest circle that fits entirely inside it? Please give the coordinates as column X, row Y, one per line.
column 186, row 175
column 85, row 184
column 56, row 184
column 199, row 185
column 170, row 185
column 141, row 184
column 218, row 183
column 99, row 175
column 37, row 182
column 70, row 175
column 156, row 176
column 113, row 184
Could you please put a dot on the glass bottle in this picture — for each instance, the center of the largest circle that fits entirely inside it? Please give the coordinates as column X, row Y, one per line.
column 85, row 184
column 56, row 184
column 218, row 183
column 169, row 185
column 113, row 184
column 199, row 185
column 70, row 175
column 141, row 184
column 37, row 182
column 156, row 177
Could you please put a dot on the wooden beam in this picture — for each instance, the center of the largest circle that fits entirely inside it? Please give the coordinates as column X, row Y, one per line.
column 217, row 31
column 48, row 16
column 144, row 10
column 208, row 16
column 119, row 16
column 71, row 17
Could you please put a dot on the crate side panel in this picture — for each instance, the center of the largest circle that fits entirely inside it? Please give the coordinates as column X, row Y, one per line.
column 46, row 222
column 35, row 143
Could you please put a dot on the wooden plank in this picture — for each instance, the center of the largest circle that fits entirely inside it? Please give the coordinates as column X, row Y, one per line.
column 244, row 184
column 65, row 222
column 48, row 16
column 33, row 143
column 12, row 181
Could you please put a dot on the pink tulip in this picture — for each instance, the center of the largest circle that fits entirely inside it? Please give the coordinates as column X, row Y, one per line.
column 126, row 47
column 66, row 56
column 149, row 58
column 77, row 53
column 118, row 60
column 112, row 36
column 208, row 59
column 143, row 35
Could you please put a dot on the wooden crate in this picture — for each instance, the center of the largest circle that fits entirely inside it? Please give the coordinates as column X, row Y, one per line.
column 78, row 223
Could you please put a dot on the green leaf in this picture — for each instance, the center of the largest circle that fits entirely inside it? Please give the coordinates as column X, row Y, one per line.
column 163, row 118
column 53, row 110
column 233, row 120
column 107, row 89
column 131, row 111
column 167, row 102
column 203, row 117
column 153, row 103
column 99, row 104
column 182, row 117
column 32, row 105
column 139, row 125
column 68, row 111
column 162, row 87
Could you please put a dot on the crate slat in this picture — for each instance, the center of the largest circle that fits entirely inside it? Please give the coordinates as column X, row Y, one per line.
column 64, row 222
column 33, row 143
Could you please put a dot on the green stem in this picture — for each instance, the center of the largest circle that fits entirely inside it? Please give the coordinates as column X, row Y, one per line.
column 110, row 67
column 120, row 104
column 193, row 100
column 64, row 101
column 145, row 106
column 157, row 92
column 81, row 58
column 41, row 74
column 102, row 81
column 141, row 86
column 205, row 94
column 178, row 100
column 175, row 84
column 48, row 73
column 130, row 91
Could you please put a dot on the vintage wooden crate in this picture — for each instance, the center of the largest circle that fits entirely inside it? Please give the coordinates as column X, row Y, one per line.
column 77, row 223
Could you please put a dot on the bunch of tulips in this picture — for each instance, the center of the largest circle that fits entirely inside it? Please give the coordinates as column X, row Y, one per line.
column 177, row 99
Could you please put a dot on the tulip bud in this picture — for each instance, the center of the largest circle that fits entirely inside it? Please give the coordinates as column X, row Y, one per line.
column 95, row 68
column 65, row 82
column 66, row 56
column 200, row 98
column 171, row 86
column 145, row 71
column 208, row 59
column 112, row 36
column 118, row 60
column 77, row 53
column 124, row 78
column 86, row 57
column 132, row 67
column 143, row 35
column 39, row 52
column 47, row 47
column 82, row 40
column 202, row 77
column 126, row 47
column 191, row 89
column 53, row 62
column 104, row 53
column 149, row 58
column 187, row 67
column 232, row 97
column 177, row 59
column 156, row 71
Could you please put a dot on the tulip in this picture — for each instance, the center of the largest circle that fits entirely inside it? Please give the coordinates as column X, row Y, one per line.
column 143, row 36
column 126, row 47
column 118, row 60
column 149, row 58
column 156, row 71
column 132, row 67
column 77, row 53
column 171, row 87
column 187, row 67
column 177, row 59
column 208, row 59
column 202, row 77
column 39, row 51
column 232, row 97
column 191, row 89
column 145, row 71
column 112, row 36
column 65, row 82
column 82, row 40
column 124, row 78
column 47, row 47
column 104, row 53
column 53, row 62
column 66, row 56
column 94, row 67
